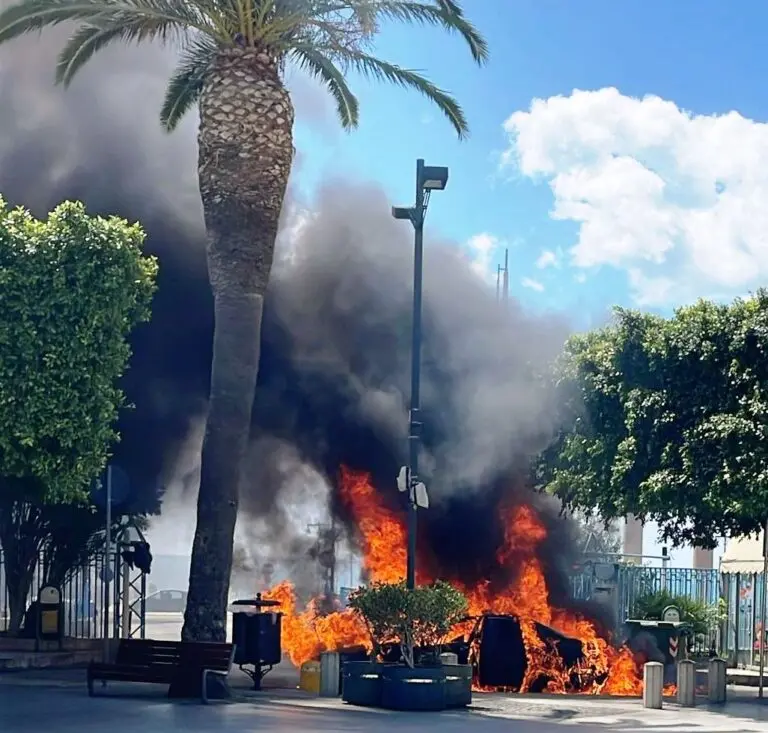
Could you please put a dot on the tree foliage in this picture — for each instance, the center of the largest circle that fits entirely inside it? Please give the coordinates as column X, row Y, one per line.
column 669, row 420
column 418, row 618
column 72, row 287
column 326, row 38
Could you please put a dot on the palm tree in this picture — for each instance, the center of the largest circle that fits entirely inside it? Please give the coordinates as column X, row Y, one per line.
column 233, row 54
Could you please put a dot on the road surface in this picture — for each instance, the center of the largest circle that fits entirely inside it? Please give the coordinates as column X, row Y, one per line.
column 57, row 701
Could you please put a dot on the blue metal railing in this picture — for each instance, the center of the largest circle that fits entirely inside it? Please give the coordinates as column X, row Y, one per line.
column 739, row 596
column 636, row 581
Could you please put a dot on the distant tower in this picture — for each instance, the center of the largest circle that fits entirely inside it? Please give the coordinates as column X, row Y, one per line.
column 502, row 280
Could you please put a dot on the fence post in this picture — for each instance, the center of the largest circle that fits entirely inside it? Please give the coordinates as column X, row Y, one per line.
column 653, row 685
column 718, row 679
column 686, row 683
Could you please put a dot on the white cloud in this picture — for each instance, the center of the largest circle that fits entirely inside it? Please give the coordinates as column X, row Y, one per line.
column 528, row 282
column 482, row 249
column 677, row 200
column 651, row 290
column 547, row 258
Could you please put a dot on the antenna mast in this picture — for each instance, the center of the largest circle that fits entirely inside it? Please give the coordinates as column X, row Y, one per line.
column 502, row 280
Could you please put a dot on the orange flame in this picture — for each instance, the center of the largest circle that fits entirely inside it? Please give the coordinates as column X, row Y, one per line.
column 383, row 539
column 604, row 670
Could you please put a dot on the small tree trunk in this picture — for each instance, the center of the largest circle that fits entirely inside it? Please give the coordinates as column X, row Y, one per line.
column 245, row 155
column 21, row 537
column 18, row 593
column 407, row 646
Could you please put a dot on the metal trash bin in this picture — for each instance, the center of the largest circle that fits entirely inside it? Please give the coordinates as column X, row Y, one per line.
column 256, row 634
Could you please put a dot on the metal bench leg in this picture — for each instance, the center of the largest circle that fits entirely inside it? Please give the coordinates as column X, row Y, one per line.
column 204, row 696
column 216, row 674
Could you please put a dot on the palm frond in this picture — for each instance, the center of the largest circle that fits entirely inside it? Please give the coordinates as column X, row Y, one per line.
column 89, row 39
column 322, row 68
column 447, row 14
column 33, row 15
column 281, row 24
column 450, row 6
column 372, row 67
column 186, row 83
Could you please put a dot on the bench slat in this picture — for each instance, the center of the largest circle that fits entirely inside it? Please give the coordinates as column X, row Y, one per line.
column 174, row 663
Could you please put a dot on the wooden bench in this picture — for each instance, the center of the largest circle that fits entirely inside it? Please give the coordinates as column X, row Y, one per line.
column 138, row 660
column 184, row 666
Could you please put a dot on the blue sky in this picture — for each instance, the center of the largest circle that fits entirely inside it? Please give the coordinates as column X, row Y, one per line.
column 698, row 56
column 644, row 188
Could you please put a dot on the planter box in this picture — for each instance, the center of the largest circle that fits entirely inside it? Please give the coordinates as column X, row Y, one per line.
column 361, row 683
column 458, row 685
column 397, row 687
column 351, row 655
column 422, row 688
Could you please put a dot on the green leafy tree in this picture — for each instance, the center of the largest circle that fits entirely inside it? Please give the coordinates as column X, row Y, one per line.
column 420, row 618
column 72, row 288
column 669, row 420
column 231, row 66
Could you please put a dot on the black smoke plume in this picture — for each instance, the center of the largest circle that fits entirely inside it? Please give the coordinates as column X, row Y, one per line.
column 334, row 378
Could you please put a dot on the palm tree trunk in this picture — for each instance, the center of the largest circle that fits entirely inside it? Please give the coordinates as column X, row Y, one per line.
column 245, row 155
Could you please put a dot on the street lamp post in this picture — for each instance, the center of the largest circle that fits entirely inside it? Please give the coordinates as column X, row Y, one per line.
column 428, row 178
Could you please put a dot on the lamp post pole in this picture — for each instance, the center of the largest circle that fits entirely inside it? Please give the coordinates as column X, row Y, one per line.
column 428, row 179
column 414, row 425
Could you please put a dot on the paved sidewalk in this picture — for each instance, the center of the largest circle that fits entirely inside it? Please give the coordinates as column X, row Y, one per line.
column 57, row 700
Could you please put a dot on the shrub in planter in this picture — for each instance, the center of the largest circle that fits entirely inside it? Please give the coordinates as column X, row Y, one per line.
column 416, row 622
column 703, row 617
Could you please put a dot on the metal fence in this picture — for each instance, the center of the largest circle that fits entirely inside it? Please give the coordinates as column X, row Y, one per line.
column 82, row 597
column 633, row 581
column 743, row 594
column 738, row 598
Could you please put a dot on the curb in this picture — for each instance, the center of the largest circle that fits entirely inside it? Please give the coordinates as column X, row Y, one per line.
column 745, row 680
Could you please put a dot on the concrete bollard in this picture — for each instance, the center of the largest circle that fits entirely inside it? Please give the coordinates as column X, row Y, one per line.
column 686, row 683
column 653, row 685
column 718, row 679
column 329, row 674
